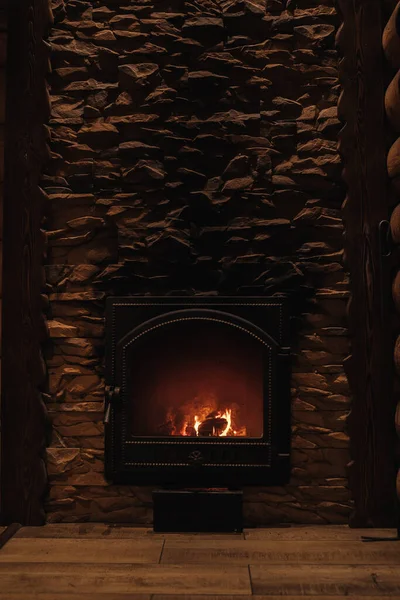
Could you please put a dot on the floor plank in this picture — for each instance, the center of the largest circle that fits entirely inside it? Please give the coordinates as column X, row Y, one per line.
column 256, row 597
column 316, row 532
column 100, row 530
column 112, row 596
column 103, row 562
column 325, row 580
column 86, row 530
column 272, row 552
column 81, row 550
column 84, row 578
column 73, row 596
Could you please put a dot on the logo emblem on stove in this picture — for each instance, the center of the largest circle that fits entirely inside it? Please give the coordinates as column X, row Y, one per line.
column 196, row 457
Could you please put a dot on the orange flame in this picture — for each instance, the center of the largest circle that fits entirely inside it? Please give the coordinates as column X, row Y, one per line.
column 197, row 424
column 227, row 415
column 202, row 417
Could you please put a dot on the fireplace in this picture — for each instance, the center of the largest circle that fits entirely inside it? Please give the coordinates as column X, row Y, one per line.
column 198, row 391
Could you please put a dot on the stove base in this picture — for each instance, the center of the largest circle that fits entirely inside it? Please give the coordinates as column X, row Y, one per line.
column 178, row 511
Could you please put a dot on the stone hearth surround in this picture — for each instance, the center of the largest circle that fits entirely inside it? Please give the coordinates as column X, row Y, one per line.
column 195, row 152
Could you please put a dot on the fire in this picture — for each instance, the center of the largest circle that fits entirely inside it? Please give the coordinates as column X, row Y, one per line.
column 216, row 424
column 197, row 424
column 227, row 415
column 203, row 416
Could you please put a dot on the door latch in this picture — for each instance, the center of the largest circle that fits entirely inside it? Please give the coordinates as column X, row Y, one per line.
column 112, row 394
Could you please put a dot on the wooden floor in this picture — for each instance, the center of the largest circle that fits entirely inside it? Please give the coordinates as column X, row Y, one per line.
column 94, row 561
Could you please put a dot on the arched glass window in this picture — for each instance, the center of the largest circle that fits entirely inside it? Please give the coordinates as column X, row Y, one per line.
column 196, row 376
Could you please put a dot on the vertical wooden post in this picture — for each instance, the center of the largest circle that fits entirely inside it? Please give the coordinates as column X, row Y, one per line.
column 369, row 368
column 391, row 47
column 23, row 472
column 3, row 55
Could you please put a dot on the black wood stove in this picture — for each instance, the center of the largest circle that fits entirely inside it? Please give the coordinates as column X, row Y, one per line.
column 198, row 391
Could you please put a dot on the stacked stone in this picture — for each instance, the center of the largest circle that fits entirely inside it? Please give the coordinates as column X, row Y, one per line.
column 391, row 46
column 194, row 152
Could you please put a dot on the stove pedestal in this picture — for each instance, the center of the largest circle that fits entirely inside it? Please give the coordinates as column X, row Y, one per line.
column 198, row 511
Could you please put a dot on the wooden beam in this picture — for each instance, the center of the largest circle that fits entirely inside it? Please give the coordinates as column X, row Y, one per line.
column 369, row 368
column 23, row 472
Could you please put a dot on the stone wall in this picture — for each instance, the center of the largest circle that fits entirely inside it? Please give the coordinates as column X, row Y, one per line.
column 195, row 152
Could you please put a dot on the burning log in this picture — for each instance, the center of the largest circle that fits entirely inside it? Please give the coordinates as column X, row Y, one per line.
column 213, row 425
column 190, row 431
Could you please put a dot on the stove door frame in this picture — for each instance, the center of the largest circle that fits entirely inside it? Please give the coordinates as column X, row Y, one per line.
column 189, row 461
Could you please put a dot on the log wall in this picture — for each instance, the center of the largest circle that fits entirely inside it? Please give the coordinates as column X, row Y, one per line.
column 391, row 47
